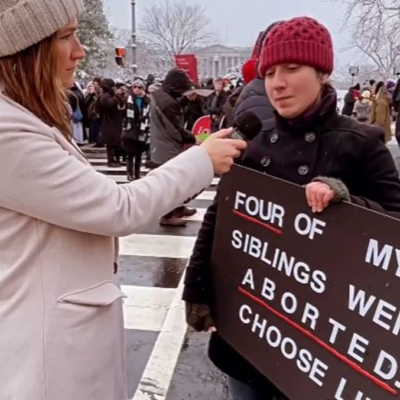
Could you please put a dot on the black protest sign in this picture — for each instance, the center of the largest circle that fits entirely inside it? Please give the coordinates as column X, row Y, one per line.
column 311, row 300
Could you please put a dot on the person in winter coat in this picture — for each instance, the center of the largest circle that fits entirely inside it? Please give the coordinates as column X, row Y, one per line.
column 168, row 136
column 229, row 108
column 381, row 111
column 77, row 102
column 135, row 135
column 253, row 96
column 111, row 108
column 215, row 104
column 91, row 103
column 62, row 335
column 362, row 107
column 150, row 81
column 396, row 105
column 193, row 108
column 391, row 87
column 350, row 100
column 311, row 145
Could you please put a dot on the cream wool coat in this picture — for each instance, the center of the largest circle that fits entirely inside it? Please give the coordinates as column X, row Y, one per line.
column 61, row 324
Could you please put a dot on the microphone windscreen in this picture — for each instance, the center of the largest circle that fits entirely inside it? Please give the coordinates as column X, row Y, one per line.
column 248, row 124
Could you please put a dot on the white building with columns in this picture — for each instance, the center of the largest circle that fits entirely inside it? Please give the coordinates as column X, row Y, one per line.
column 218, row 60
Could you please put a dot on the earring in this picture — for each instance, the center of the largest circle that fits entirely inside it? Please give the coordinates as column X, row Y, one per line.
column 15, row 69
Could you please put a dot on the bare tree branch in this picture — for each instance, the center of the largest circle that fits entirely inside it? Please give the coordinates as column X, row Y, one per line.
column 175, row 28
column 375, row 28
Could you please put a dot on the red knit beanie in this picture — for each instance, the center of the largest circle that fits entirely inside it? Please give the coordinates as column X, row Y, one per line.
column 249, row 70
column 300, row 41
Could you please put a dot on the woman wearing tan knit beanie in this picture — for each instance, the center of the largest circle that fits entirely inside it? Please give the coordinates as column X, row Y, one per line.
column 61, row 335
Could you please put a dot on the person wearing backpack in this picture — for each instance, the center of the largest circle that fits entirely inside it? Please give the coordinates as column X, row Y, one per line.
column 362, row 107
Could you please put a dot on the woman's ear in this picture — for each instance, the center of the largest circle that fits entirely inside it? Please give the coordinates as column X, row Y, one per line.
column 324, row 78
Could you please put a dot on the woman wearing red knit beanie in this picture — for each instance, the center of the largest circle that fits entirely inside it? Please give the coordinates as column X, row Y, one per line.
column 334, row 157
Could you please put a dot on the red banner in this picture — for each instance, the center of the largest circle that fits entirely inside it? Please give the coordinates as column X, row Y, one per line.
column 188, row 63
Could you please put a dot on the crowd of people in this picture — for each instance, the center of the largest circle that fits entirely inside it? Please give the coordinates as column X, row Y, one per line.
column 61, row 219
column 145, row 117
column 375, row 103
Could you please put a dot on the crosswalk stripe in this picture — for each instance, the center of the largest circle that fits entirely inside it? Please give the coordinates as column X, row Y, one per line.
column 157, row 246
column 163, row 360
column 122, row 169
column 206, row 195
column 146, row 308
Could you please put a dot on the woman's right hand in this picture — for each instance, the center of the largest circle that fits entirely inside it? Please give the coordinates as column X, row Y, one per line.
column 222, row 150
column 198, row 316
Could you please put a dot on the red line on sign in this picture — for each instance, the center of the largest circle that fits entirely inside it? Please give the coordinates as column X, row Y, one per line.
column 256, row 221
column 331, row 350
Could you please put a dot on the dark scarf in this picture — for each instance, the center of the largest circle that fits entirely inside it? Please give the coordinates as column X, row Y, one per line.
column 318, row 115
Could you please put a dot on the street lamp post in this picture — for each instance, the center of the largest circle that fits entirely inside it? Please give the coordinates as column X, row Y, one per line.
column 134, row 47
column 354, row 71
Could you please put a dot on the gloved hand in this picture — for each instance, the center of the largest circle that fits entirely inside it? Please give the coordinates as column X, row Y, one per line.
column 323, row 191
column 198, row 316
column 340, row 190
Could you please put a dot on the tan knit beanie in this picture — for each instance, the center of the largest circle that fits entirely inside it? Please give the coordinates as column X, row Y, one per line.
column 24, row 23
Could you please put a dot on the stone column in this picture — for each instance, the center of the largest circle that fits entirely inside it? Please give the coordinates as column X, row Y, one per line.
column 204, row 67
column 211, row 67
column 223, row 65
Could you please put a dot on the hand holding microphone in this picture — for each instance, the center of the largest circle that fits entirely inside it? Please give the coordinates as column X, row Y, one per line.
column 226, row 145
column 222, row 150
column 246, row 126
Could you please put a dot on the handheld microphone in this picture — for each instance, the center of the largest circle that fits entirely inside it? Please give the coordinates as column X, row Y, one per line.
column 246, row 127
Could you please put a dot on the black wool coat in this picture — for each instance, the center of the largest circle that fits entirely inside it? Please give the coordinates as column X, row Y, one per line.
column 112, row 112
column 216, row 112
column 330, row 145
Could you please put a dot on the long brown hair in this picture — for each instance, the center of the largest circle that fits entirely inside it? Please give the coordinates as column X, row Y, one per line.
column 30, row 78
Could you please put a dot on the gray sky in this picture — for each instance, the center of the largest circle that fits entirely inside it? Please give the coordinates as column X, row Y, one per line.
column 233, row 29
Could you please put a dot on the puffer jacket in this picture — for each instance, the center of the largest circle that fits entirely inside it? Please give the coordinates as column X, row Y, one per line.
column 254, row 98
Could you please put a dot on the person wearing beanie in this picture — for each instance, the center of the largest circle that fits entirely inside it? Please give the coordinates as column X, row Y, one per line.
column 249, row 70
column 136, row 130
column 253, row 96
column 139, row 83
column 390, row 86
column 308, row 143
column 169, row 137
column 62, row 335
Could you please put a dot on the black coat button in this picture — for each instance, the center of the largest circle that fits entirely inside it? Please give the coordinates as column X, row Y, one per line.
column 310, row 137
column 265, row 161
column 303, row 170
column 274, row 138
